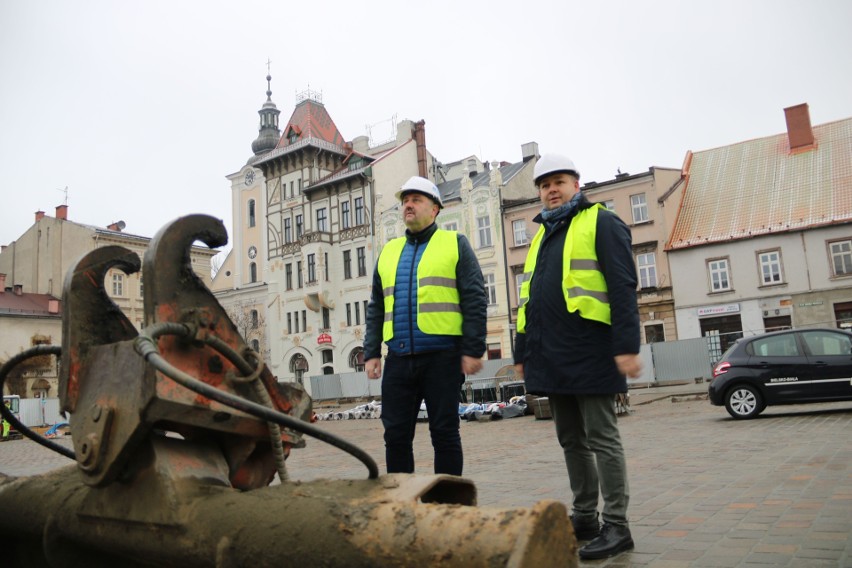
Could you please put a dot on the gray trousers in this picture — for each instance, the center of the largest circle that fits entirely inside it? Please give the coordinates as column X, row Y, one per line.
column 587, row 430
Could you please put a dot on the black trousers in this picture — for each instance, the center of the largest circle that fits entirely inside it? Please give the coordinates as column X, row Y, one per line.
column 435, row 378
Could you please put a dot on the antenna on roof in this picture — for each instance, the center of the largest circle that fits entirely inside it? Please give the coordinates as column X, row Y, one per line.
column 65, row 191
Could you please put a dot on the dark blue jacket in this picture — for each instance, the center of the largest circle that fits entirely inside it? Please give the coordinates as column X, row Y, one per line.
column 562, row 352
column 408, row 338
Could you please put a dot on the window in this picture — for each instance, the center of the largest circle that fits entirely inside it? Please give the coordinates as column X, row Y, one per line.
column 639, row 207
column 770, row 267
column 494, row 351
column 254, row 319
column 304, row 320
column 365, row 310
column 783, row 345
column 359, row 210
column 344, row 214
column 841, row 257
column 519, row 228
column 347, row 264
column 609, row 204
column 299, row 282
column 827, row 343
column 451, row 226
column 288, row 232
column 312, row 268
column 255, row 345
column 117, row 284
column 490, row 289
column 519, row 279
column 348, row 315
column 327, row 356
column 300, row 227
column 483, row 225
column 288, row 271
column 357, row 313
column 322, row 219
column 291, row 190
column 719, row 278
column 362, row 261
column 289, row 323
column 325, row 265
column 647, row 266
column 296, row 320
column 253, row 272
column 326, row 318
column 356, row 359
column 654, row 333
column 251, row 213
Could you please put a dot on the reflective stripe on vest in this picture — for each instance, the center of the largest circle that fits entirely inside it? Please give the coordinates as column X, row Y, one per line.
column 438, row 306
column 583, row 283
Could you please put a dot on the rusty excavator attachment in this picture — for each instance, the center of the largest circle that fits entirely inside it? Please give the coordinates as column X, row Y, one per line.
column 180, row 429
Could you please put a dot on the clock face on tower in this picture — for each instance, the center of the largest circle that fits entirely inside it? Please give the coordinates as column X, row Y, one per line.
column 249, row 177
column 252, row 252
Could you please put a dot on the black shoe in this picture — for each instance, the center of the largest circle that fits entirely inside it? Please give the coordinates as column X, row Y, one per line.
column 585, row 529
column 614, row 539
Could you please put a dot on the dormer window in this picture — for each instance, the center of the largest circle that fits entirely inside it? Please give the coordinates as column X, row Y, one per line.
column 355, row 163
column 293, row 137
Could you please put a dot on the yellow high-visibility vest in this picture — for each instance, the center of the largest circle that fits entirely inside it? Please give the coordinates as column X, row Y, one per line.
column 438, row 305
column 583, row 283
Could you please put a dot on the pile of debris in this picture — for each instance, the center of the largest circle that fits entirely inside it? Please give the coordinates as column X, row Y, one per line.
column 372, row 409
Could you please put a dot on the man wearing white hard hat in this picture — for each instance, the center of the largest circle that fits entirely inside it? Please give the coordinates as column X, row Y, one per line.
column 428, row 305
column 577, row 341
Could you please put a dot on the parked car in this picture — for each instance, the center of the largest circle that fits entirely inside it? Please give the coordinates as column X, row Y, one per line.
column 783, row 367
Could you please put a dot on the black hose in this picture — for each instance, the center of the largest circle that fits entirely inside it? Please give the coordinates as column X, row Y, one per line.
column 146, row 346
column 7, row 414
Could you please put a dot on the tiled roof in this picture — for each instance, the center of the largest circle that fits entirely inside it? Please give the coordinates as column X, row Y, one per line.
column 311, row 120
column 26, row 304
column 758, row 187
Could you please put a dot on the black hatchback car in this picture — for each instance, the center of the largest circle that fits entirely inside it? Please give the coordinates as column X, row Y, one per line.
column 783, row 367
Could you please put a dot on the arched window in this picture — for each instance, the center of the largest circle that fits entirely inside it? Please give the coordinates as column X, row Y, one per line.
column 356, row 359
column 253, row 271
column 299, row 366
column 251, row 216
column 255, row 345
column 254, row 319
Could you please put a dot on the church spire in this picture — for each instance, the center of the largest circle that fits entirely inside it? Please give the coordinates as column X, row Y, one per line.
column 269, row 133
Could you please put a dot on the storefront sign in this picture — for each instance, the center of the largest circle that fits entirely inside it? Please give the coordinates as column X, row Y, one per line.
column 717, row 310
column 323, row 338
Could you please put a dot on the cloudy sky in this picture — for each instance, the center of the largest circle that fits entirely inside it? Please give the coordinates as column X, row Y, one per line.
column 140, row 109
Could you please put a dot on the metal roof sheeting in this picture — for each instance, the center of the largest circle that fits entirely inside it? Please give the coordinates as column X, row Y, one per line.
column 758, row 187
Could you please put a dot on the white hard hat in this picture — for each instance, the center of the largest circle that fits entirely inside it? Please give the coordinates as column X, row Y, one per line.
column 551, row 164
column 421, row 185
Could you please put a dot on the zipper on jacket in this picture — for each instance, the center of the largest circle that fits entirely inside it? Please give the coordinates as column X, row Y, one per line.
column 411, row 313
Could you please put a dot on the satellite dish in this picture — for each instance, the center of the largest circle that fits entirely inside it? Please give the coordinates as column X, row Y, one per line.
column 121, row 225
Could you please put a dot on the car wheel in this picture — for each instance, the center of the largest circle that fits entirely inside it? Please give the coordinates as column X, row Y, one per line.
column 743, row 402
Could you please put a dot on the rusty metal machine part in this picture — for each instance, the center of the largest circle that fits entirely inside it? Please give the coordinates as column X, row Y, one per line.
column 174, row 457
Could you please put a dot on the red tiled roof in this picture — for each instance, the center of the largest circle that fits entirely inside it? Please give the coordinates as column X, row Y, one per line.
column 26, row 304
column 758, row 187
column 311, row 120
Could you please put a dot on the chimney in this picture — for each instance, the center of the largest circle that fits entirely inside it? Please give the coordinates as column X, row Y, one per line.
column 420, row 144
column 2, row 283
column 62, row 212
column 529, row 151
column 19, row 289
column 799, row 130
column 53, row 306
column 39, row 216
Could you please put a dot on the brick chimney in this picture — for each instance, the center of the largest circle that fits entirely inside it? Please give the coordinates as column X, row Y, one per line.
column 420, row 145
column 39, row 216
column 53, row 306
column 62, row 212
column 799, row 130
column 2, row 283
column 19, row 289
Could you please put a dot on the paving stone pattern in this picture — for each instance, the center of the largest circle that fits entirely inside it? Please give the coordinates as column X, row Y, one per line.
column 706, row 491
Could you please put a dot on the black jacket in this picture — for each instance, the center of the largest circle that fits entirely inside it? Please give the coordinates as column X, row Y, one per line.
column 472, row 298
column 562, row 352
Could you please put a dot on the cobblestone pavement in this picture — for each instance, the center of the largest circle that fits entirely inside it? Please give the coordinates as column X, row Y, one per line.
column 706, row 490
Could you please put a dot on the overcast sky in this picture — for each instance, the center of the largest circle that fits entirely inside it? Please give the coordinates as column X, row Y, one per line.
column 141, row 109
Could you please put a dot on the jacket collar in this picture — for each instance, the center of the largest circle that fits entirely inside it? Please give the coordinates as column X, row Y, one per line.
column 423, row 235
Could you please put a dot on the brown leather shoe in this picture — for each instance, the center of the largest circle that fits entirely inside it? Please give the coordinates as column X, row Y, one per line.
column 614, row 539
